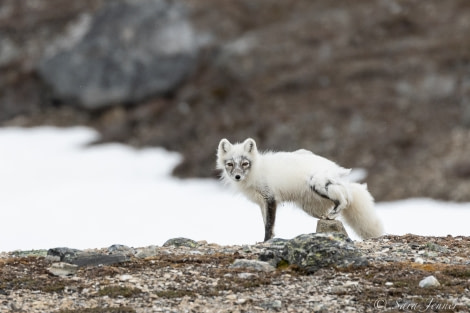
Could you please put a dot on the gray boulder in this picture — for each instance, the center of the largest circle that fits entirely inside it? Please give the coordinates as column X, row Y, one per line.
column 94, row 259
column 64, row 254
column 312, row 252
column 131, row 50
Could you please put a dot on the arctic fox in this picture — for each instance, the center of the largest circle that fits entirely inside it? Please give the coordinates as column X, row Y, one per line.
column 316, row 184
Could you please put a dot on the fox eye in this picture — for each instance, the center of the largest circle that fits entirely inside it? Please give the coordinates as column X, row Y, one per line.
column 229, row 164
column 245, row 163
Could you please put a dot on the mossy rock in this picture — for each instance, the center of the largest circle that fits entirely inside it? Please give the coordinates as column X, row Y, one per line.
column 312, row 252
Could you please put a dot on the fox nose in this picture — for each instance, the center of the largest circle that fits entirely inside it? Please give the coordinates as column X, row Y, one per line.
column 237, row 177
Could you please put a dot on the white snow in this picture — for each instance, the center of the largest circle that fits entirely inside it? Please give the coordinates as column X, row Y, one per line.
column 56, row 190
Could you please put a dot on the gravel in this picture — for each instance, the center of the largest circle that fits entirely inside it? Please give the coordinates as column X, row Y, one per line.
column 202, row 279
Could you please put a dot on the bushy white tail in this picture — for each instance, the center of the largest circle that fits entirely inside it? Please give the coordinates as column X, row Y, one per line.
column 360, row 214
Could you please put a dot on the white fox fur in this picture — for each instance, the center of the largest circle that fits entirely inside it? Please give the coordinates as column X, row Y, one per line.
column 315, row 184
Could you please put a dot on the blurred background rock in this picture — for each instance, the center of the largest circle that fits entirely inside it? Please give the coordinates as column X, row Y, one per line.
column 383, row 85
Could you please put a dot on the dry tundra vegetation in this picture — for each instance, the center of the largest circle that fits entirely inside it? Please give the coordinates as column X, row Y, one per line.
column 201, row 277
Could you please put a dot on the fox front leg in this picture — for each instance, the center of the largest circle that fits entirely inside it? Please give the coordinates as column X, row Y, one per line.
column 269, row 215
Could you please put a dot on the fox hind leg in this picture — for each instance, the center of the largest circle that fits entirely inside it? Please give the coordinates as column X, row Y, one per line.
column 336, row 192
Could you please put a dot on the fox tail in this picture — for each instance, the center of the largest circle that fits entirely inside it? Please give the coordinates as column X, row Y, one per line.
column 360, row 213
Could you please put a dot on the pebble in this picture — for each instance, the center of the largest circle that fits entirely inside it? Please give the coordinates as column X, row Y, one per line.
column 327, row 290
column 125, row 277
column 241, row 301
column 275, row 304
column 429, row 281
column 253, row 264
column 231, row 297
column 246, row 275
column 419, row 260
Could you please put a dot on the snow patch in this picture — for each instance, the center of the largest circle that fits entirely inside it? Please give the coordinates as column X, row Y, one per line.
column 56, row 191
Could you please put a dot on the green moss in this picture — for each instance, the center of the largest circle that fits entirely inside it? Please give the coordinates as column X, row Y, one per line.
column 33, row 284
column 283, row 264
column 401, row 284
column 458, row 272
column 118, row 291
column 171, row 294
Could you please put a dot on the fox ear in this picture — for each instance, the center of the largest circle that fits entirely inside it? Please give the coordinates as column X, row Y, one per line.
column 224, row 146
column 250, row 145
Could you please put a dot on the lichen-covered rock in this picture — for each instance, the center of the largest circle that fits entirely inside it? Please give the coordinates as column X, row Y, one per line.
column 311, row 252
column 179, row 242
column 87, row 258
column 64, row 254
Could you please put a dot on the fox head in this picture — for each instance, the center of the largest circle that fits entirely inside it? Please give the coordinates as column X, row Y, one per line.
column 236, row 160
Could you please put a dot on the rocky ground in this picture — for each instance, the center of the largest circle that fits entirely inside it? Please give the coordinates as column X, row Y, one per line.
column 383, row 85
column 185, row 276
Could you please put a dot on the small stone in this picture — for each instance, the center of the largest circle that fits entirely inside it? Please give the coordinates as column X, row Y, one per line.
column 231, row 297
column 419, row 260
column 388, row 284
column 429, row 281
column 415, row 246
column 253, row 264
column 125, row 277
column 331, row 226
column 241, row 301
column 275, row 304
column 63, row 269
column 338, row 290
column 246, row 275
